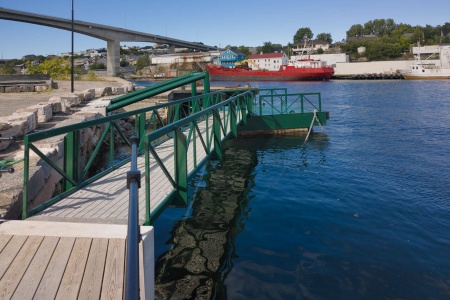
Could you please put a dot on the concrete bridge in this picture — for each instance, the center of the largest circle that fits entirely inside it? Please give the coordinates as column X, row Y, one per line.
column 112, row 35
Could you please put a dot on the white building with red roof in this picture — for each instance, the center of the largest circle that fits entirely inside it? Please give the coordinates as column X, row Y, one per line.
column 268, row 61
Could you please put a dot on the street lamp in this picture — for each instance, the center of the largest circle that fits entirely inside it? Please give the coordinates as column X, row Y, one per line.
column 71, row 77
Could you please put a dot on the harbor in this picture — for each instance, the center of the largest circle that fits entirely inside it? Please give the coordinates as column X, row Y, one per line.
column 203, row 158
column 100, row 199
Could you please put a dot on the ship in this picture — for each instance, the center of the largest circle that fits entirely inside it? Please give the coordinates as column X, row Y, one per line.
column 424, row 69
column 303, row 69
column 273, row 67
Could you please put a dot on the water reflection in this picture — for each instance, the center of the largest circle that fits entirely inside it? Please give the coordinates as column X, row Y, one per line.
column 203, row 244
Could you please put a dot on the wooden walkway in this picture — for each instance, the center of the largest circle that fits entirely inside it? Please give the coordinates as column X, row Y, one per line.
column 105, row 201
column 47, row 260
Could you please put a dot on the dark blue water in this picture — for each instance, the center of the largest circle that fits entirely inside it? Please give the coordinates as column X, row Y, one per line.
column 360, row 211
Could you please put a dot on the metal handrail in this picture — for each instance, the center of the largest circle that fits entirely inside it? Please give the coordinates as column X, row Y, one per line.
column 71, row 133
column 238, row 108
column 133, row 231
column 286, row 102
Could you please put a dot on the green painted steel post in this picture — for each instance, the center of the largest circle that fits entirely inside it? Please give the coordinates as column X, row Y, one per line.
column 217, row 135
column 71, row 157
column 111, row 145
column 206, row 84
column 180, row 164
column 147, row 181
column 260, row 106
column 194, row 89
column 194, row 144
column 243, row 110
column 139, row 127
column 233, row 119
column 250, row 98
column 301, row 103
column 26, row 166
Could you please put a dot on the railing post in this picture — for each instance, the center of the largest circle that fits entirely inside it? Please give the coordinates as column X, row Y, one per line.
column 233, row 119
column 180, row 164
column 71, row 157
column 243, row 110
column 147, row 181
column 249, row 98
column 26, row 166
column 111, row 145
column 139, row 126
column 133, row 233
column 206, row 84
column 194, row 89
column 301, row 103
column 217, row 135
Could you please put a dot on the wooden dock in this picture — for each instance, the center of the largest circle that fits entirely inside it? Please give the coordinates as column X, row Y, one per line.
column 105, row 201
column 75, row 249
column 48, row 260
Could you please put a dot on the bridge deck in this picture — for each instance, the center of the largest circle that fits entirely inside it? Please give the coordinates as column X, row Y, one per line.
column 106, row 200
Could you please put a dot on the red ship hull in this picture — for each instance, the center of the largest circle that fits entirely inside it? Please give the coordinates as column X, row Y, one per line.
column 287, row 73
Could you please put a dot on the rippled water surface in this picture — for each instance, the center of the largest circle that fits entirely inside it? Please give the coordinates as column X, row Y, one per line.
column 360, row 211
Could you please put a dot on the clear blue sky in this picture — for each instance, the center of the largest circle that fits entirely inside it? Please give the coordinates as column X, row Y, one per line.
column 215, row 23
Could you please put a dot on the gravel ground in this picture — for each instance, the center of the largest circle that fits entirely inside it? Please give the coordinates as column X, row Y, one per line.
column 10, row 102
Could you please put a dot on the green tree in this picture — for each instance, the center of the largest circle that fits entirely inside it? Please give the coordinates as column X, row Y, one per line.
column 325, row 37
column 124, row 63
column 355, row 31
column 57, row 68
column 302, row 33
column 97, row 66
column 7, row 71
column 266, row 48
column 142, row 61
column 244, row 50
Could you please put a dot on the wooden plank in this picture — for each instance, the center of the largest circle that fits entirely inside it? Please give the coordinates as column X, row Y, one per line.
column 48, row 287
column 32, row 277
column 113, row 279
column 4, row 239
column 93, row 275
column 9, row 252
column 73, row 276
column 12, row 277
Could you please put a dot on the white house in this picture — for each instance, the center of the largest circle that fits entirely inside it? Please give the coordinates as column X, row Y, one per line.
column 310, row 46
column 182, row 58
column 268, row 61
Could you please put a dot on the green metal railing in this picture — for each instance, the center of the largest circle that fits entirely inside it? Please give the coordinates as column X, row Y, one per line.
column 274, row 103
column 75, row 177
column 220, row 121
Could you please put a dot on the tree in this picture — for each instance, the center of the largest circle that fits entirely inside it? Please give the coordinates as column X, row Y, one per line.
column 266, row 48
column 379, row 27
column 7, row 71
column 97, row 66
column 57, row 68
column 244, row 50
column 325, row 37
column 142, row 61
column 302, row 33
column 356, row 30
column 124, row 63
